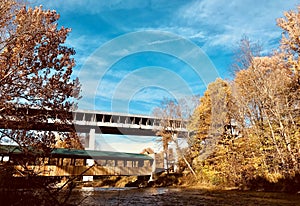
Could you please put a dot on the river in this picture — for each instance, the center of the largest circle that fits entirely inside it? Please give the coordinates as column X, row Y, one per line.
column 179, row 196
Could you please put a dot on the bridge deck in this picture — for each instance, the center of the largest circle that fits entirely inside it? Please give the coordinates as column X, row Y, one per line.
column 84, row 121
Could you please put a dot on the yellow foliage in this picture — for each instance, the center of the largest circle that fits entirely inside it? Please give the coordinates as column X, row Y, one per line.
column 273, row 177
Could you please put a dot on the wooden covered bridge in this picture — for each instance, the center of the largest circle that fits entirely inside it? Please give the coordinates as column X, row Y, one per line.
column 71, row 162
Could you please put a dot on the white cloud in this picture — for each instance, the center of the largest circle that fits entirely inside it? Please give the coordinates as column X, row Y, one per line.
column 121, row 52
column 91, row 6
column 196, row 35
column 84, row 42
column 163, row 41
column 183, row 30
column 223, row 23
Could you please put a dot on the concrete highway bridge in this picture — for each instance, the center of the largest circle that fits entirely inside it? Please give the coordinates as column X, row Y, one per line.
column 88, row 122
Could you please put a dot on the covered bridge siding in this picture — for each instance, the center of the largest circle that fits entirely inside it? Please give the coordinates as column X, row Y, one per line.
column 70, row 162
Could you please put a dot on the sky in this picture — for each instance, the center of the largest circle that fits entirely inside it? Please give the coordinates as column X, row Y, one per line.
column 131, row 54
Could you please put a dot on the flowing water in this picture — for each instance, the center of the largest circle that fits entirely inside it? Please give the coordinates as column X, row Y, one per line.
column 179, row 196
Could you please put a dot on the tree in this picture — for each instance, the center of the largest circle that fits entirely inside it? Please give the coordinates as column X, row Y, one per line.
column 263, row 100
column 290, row 42
column 265, row 94
column 210, row 117
column 72, row 141
column 173, row 115
column 35, row 73
column 243, row 55
column 290, row 50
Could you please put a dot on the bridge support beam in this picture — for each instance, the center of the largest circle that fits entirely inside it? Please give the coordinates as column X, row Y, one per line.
column 175, row 139
column 152, row 176
column 166, row 159
column 90, row 140
column 90, row 145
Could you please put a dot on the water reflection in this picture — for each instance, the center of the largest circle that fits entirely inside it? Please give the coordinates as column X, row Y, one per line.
column 178, row 196
column 95, row 189
column 150, row 191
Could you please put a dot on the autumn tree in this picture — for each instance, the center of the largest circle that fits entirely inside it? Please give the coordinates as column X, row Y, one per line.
column 290, row 49
column 263, row 102
column 212, row 122
column 267, row 93
column 244, row 53
column 210, row 117
column 35, row 75
column 290, row 42
column 71, row 141
column 36, row 71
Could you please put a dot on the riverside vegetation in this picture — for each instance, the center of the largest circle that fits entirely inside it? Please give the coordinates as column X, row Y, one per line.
column 248, row 129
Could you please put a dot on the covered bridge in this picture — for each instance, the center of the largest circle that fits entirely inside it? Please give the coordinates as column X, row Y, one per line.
column 72, row 162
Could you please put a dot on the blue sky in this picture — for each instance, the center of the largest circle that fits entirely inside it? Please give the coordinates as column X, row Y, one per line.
column 215, row 26
column 130, row 54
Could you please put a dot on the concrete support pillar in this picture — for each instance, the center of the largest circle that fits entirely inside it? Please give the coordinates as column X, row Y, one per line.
column 90, row 140
column 88, row 162
column 176, row 152
column 166, row 160
column 153, row 168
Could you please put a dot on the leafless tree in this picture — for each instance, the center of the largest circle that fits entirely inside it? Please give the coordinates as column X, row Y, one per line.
column 175, row 116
